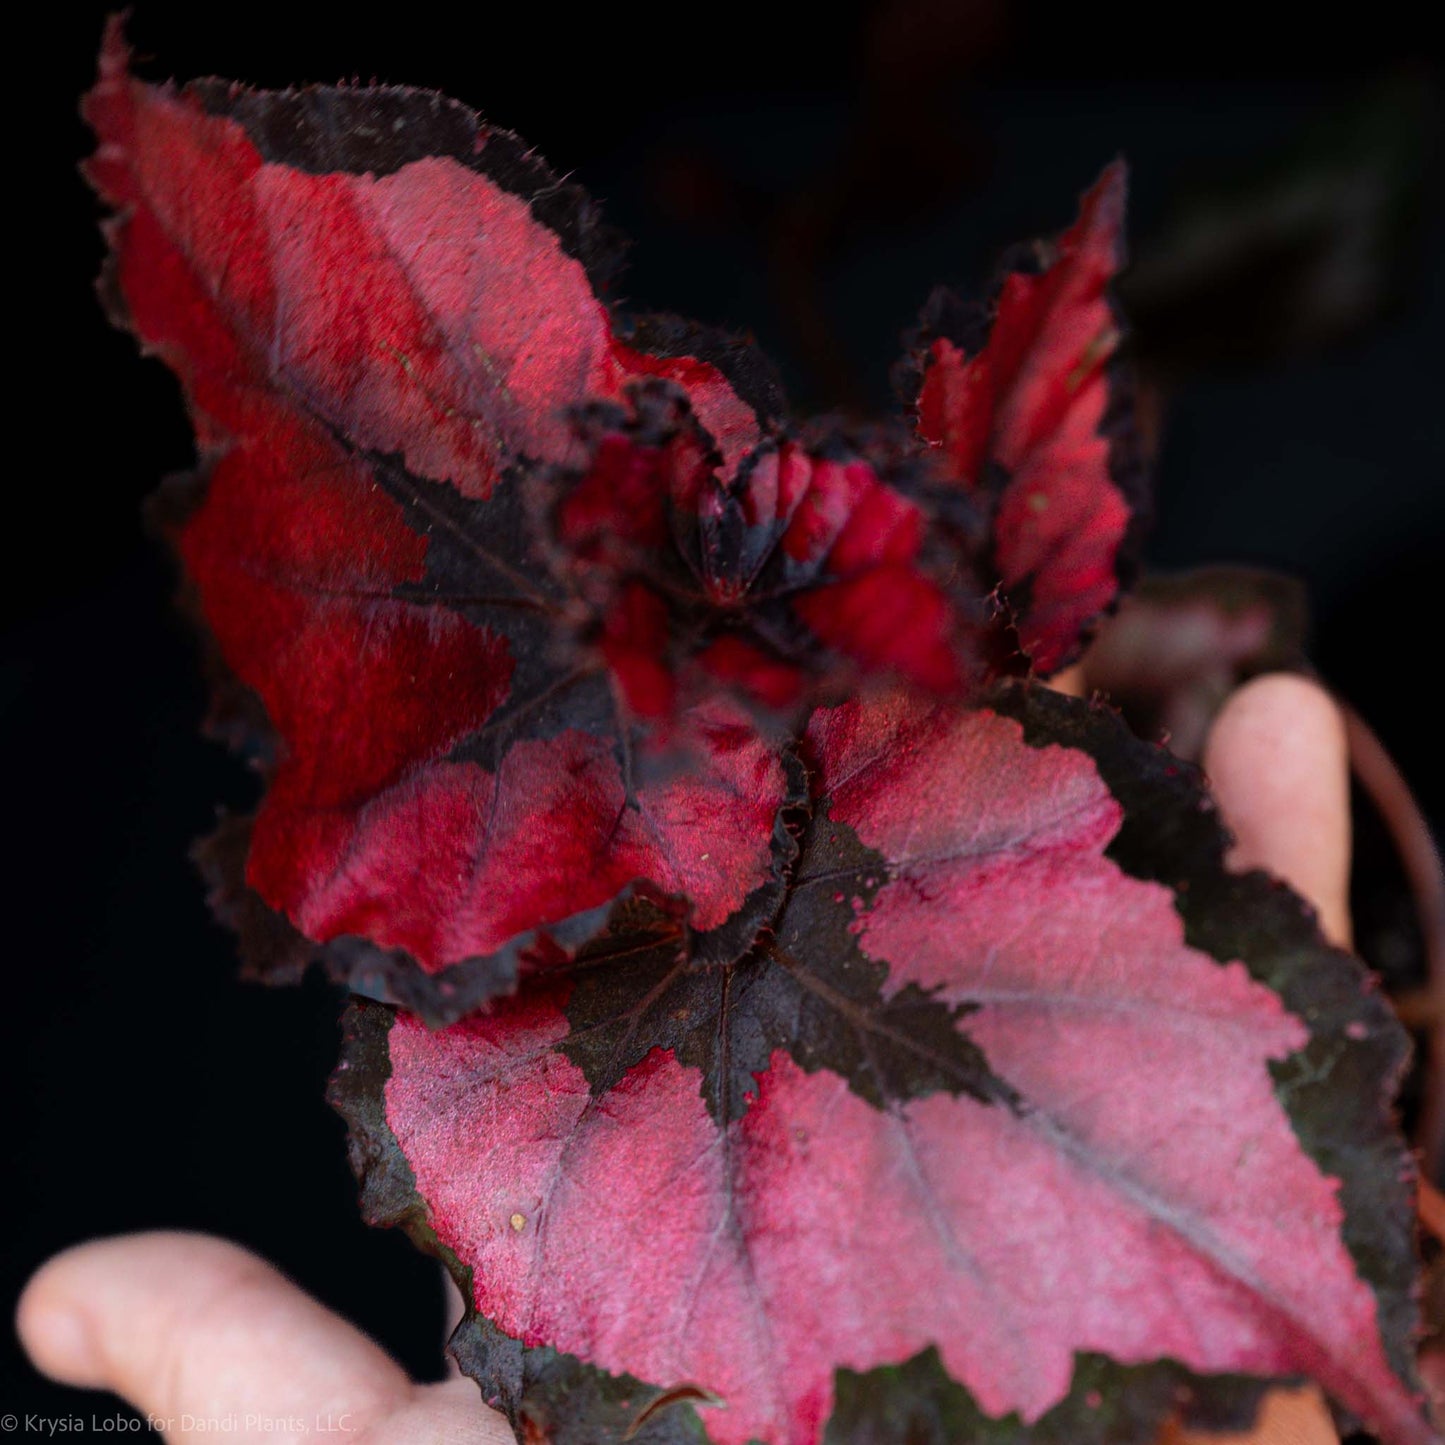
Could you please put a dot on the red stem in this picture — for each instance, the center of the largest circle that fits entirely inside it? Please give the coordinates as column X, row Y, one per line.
column 1386, row 787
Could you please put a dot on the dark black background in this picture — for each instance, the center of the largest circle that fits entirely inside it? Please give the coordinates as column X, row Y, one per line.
column 804, row 178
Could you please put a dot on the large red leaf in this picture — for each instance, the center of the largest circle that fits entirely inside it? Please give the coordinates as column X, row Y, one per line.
column 380, row 308
column 1027, row 401
column 1017, row 1081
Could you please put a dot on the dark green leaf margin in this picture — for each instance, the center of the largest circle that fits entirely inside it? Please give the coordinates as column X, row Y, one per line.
column 1339, row 1090
column 1337, row 1093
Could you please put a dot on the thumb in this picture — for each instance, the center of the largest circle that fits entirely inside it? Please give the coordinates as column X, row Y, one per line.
column 201, row 1336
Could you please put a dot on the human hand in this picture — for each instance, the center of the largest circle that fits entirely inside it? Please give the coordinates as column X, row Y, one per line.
column 188, row 1326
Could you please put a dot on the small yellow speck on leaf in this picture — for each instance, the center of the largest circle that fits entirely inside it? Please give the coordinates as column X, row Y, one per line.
column 519, row 1222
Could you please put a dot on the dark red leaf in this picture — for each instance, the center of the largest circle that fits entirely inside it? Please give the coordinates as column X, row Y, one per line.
column 1016, row 1074
column 1027, row 402
column 379, row 307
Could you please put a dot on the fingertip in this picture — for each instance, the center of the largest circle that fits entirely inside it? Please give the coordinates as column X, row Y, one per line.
column 177, row 1323
column 52, row 1331
column 1276, row 703
column 54, row 1317
column 1278, row 761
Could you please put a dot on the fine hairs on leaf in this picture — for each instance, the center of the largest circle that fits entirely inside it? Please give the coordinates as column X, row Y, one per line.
column 788, row 1020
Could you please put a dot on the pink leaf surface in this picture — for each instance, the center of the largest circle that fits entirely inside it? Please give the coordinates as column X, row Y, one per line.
column 1140, row 1193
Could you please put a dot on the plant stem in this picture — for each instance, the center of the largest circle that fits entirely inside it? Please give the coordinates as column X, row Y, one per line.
column 1388, row 790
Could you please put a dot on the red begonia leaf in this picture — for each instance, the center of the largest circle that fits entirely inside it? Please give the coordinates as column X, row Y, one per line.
column 808, row 568
column 382, row 311
column 1027, row 401
column 1020, row 1119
